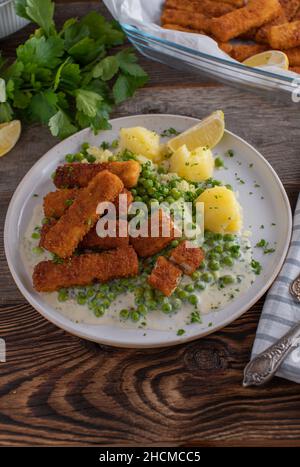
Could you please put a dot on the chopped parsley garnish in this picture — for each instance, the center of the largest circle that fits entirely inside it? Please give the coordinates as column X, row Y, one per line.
column 180, row 332
column 169, row 132
column 69, row 202
column 56, row 259
column 229, row 153
column 265, row 246
column 104, row 145
column 195, row 317
column 219, row 162
column 256, row 266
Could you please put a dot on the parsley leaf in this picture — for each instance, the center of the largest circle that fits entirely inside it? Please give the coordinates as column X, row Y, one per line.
column 6, row 112
column 107, row 68
column 61, row 126
column 125, row 86
column 127, row 62
column 40, row 52
column 87, row 102
column 41, row 12
column 43, row 106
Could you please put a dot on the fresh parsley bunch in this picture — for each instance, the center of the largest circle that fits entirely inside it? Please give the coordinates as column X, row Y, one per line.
column 67, row 79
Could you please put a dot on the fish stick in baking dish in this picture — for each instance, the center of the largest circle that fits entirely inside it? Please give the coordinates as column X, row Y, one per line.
column 290, row 8
column 186, row 19
column 80, row 174
column 176, row 27
column 63, row 238
column 254, row 14
column 85, row 269
column 284, row 36
column 57, row 202
column 236, row 3
column 241, row 52
column 293, row 56
column 206, row 7
column 261, row 35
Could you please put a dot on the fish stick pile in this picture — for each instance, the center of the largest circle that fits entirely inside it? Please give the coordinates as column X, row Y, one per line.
column 269, row 24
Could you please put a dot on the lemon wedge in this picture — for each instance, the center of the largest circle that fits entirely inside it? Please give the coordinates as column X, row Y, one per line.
column 9, row 135
column 269, row 58
column 206, row 133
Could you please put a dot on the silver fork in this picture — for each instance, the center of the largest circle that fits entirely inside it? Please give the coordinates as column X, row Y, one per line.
column 264, row 366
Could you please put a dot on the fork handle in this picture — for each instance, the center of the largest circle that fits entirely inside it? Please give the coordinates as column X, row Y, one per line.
column 264, row 366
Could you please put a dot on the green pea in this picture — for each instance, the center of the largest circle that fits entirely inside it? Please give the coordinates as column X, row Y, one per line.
column 227, row 261
column 85, row 146
column 182, row 294
column 134, row 315
column 167, row 307
column 142, row 309
column 207, row 277
column 152, row 305
column 99, row 311
column 228, row 279
column 138, row 199
column 177, row 303
column 133, row 192
column 203, row 265
column 193, row 299
column 37, row 250
column 170, row 200
column 195, row 275
column 174, row 243
column 63, row 295
column 200, row 286
column 228, row 237
column 217, row 236
column 175, row 193
column 124, row 314
column 81, row 300
column 214, row 265
column 218, row 249
column 189, row 287
column 148, row 183
column 213, row 255
column 35, row 235
column 228, row 246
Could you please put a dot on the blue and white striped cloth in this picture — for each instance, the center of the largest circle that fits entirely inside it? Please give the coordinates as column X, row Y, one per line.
column 281, row 311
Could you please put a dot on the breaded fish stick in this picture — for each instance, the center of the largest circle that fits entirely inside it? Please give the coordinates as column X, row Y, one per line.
column 92, row 239
column 293, row 56
column 236, row 3
column 261, row 35
column 79, row 175
column 176, row 27
column 57, row 202
column 85, row 269
column 186, row 19
column 290, row 8
column 284, row 36
column 254, row 14
column 150, row 245
column 65, row 235
column 241, row 52
column 206, row 7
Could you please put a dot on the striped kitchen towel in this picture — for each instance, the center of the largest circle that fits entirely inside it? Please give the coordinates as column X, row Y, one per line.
column 281, row 311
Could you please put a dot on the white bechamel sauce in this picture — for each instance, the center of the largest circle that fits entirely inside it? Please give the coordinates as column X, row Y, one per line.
column 211, row 299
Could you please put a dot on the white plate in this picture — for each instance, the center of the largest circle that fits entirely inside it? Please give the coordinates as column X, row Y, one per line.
column 268, row 204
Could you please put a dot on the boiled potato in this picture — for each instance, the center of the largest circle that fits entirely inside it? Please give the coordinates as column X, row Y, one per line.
column 200, row 165
column 195, row 166
column 178, row 161
column 222, row 212
column 139, row 140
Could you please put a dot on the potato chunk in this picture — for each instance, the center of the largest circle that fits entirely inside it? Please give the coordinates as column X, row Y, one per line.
column 141, row 141
column 222, row 212
column 196, row 166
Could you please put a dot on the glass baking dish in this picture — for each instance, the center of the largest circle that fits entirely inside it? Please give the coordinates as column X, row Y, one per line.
column 179, row 56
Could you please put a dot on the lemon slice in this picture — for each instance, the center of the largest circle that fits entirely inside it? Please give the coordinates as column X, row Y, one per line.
column 269, row 58
column 9, row 135
column 206, row 133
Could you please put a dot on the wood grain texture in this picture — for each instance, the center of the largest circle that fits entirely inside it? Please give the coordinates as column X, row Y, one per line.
column 57, row 389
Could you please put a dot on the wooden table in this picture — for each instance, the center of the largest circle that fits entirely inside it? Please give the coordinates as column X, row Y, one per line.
column 57, row 389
